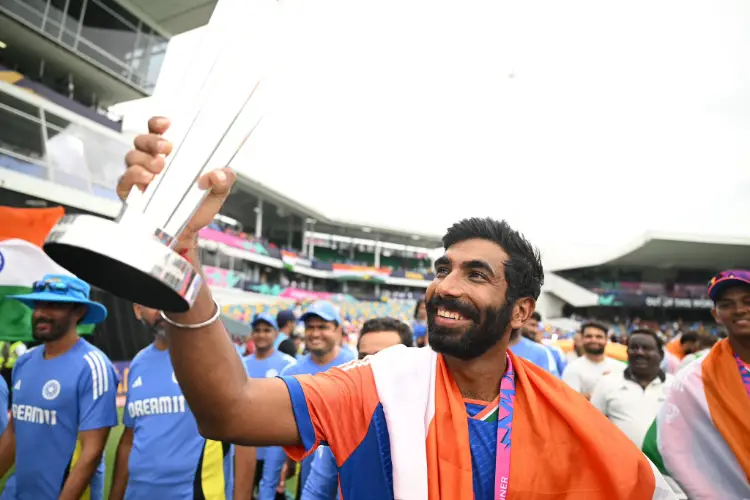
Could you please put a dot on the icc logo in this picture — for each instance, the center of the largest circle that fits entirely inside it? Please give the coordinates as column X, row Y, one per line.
column 51, row 390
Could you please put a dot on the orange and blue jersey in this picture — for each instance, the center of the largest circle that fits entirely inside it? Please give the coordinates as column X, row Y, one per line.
column 53, row 401
column 274, row 456
column 341, row 409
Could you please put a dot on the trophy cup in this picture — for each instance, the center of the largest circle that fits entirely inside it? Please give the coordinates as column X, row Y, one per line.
column 213, row 115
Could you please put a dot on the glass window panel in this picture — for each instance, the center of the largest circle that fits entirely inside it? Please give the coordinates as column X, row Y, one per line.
column 107, row 32
column 85, row 153
column 97, row 54
column 22, row 166
column 20, row 135
column 120, row 11
column 18, row 104
column 56, row 11
column 29, row 10
column 75, row 7
column 55, row 120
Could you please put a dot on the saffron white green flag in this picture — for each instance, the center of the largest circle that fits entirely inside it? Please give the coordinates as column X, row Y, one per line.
column 689, row 440
column 21, row 264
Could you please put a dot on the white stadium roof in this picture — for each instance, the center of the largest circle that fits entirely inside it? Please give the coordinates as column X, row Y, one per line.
column 670, row 250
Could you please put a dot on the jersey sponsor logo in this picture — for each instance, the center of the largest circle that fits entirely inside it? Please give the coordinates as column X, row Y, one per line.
column 357, row 363
column 51, row 390
column 17, row 387
column 34, row 414
column 138, row 382
column 99, row 373
column 164, row 405
column 273, row 372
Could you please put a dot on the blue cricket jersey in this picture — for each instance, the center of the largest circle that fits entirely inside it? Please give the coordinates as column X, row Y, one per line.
column 169, row 458
column 53, row 400
column 270, row 367
column 536, row 353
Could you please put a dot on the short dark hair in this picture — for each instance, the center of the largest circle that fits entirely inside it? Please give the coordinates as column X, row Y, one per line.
column 595, row 324
column 387, row 324
column 287, row 347
column 706, row 340
column 650, row 332
column 536, row 316
column 688, row 337
column 523, row 270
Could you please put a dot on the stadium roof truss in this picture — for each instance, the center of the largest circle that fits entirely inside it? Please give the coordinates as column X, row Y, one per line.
column 242, row 208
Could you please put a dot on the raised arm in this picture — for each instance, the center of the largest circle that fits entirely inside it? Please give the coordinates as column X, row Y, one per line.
column 228, row 406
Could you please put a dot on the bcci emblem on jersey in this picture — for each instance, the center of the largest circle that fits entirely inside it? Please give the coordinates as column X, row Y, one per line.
column 51, row 390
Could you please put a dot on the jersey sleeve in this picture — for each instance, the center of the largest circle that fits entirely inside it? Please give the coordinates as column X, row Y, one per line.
column 333, row 408
column 127, row 419
column 97, row 393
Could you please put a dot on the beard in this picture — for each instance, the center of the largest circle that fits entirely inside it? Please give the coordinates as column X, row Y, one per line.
column 477, row 339
column 593, row 349
column 57, row 330
column 158, row 329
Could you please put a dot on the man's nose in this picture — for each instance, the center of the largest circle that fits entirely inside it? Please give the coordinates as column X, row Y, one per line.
column 450, row 286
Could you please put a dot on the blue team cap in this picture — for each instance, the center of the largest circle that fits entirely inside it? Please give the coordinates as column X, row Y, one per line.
column 324, row 310
column 68, row 289
column 266, row 318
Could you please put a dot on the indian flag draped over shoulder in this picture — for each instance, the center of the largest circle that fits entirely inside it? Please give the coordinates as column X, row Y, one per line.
column 22, row 262
column 700, row 436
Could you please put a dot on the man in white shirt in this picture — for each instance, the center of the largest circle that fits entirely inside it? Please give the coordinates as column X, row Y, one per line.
column 632, row 398
column 583, row 373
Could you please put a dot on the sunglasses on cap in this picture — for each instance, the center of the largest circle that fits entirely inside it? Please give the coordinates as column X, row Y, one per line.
column 54, row 287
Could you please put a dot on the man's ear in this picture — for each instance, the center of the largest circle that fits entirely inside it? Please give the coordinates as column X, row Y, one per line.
column 79, row 312
column 138, row 312
column 715, row 314
column 522, row 311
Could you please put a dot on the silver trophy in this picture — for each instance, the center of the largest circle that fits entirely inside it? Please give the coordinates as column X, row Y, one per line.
column 215, row 111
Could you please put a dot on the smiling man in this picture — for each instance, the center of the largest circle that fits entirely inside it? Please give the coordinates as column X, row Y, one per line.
column 404, row 416
column 583, row 373
column 701, row 434
column 632, row 398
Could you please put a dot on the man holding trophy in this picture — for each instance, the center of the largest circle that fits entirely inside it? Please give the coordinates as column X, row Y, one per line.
column 418, row 440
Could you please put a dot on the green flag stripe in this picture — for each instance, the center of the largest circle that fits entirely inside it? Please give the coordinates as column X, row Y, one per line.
column 651, row 448
column 15, row 317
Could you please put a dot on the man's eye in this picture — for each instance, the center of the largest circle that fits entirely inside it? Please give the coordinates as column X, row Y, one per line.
column 477, row 275
column 441, row 271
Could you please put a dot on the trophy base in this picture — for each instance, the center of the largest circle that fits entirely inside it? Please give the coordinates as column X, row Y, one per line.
column 125, row 261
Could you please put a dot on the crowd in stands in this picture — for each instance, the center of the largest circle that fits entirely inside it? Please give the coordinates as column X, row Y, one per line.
column 418, row 263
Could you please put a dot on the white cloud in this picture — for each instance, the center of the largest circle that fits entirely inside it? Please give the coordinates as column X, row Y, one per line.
column 583, row 122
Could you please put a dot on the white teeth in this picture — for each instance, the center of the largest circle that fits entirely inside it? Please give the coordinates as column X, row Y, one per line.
column 449, row 314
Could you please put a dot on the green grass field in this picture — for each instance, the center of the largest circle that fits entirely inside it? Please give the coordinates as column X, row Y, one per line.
column 114, row 438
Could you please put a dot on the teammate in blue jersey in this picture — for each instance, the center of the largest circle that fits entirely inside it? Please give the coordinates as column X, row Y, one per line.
column 63, row 398
column 161, row 454
column 323, row 341
column 376, row 334
column 265, row 362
